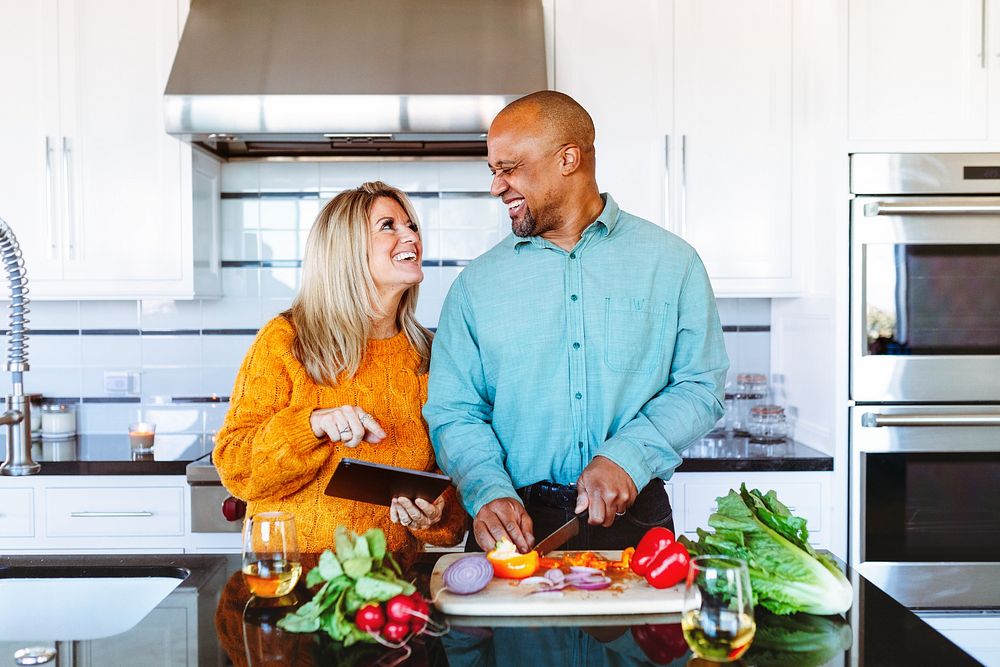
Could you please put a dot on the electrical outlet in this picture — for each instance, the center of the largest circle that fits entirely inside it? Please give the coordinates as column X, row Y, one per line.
column 121, row 383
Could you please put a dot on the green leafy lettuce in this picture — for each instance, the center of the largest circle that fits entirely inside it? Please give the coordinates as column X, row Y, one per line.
column 786, row 573
column 360, row 571
column 798, row 640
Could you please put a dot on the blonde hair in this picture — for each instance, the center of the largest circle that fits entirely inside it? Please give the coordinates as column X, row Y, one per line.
column 334, row 311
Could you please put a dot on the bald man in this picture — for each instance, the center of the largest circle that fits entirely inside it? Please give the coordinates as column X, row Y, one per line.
column 575, row 360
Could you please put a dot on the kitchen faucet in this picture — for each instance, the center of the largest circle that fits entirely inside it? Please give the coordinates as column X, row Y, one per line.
column 17, row 417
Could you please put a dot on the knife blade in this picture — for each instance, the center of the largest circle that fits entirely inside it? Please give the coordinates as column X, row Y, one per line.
column 562, row 534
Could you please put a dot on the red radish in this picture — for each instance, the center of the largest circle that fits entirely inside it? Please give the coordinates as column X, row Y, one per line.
column 370, row 618
column 395, row 631
column 421, row 612
column 399, row 608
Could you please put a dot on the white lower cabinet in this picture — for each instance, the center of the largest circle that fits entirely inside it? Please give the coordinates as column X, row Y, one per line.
column 978, row 634
column 807, row 494
column 17, row 512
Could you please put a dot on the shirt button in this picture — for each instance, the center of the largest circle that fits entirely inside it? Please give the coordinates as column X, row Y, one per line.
column 573, row 297
column 572, row 255
column 580, row 444
column 579, row 395
column 576, row 346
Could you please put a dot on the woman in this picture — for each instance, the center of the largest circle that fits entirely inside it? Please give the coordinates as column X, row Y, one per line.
column 342, row 373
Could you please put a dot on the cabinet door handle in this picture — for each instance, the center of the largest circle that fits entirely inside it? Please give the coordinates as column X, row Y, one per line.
column 682, row 229
column 876, row 420
column 68, row 199
column 49, row 206
column 667, row 199
column 888, row 208
column 102, row 515
column 982, row 34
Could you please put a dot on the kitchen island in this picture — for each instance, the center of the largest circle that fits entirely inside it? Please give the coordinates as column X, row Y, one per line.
column 217, row 626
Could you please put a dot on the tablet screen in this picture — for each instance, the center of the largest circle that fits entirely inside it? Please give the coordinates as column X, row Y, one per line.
column 379, row 484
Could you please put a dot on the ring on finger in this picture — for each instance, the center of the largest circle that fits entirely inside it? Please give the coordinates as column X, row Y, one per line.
column 619, row 513
column 345, row 431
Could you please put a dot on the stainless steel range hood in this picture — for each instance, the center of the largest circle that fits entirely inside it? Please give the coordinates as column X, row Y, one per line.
column 362, row 77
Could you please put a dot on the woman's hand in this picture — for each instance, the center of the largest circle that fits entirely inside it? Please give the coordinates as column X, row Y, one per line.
column 418, row 514
column 348, row 424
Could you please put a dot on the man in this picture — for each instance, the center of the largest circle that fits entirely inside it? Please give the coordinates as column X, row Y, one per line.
column 577, row 358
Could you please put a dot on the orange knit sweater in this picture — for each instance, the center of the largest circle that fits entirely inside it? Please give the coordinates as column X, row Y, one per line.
column 267, row 454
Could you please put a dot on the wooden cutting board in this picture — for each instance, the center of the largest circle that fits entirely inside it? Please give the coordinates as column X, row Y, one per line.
column 628, row 594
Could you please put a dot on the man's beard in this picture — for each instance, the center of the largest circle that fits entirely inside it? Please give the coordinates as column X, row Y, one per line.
column 526, row 226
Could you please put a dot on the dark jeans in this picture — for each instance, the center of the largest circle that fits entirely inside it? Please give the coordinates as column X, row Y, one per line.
column 552, row 505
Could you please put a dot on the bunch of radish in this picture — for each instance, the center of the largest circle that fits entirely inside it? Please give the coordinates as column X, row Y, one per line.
column 395, row 621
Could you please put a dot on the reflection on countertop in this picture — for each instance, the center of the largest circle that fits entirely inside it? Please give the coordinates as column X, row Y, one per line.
column 725, row 452
column 209, row 621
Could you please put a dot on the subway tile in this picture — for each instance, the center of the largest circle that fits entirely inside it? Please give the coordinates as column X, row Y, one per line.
column 226, row 351
column 166, row 382
column 465, row 176
column 462, row 244
column 473, row 213
column 754, row 352
column 185, row 418
column 431, row 240
column 167, row 351
column 280, row 244
column 281, row 213
column 111, row 352
column 729, row 311
column 52, row 315
column 429, row 300
column 754, row 312
column 240, row 281
column 54, row 351
column 308, row 209
column 109, row 314
column 428, row 212
column 106, row 417
column 231, row 313
column 92, row 381
column 337, row 176
column 64, row 382
column 279, row 283
column 240, row 229
column 169, row 315
column 219, row 380
column 214, row 415
column 410, row 176
column 241, row 177
column 271, row 308
column 289, row 176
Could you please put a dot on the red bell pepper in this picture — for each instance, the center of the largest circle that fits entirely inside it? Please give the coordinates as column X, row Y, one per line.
column 661, row 560
column 662, row 642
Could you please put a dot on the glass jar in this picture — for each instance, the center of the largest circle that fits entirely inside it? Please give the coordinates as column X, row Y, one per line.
column 58, row 420
column 751, row 390
column 767, row 423
column 35, row 408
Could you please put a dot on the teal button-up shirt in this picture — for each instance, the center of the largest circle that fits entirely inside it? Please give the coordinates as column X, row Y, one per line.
column 544, row 359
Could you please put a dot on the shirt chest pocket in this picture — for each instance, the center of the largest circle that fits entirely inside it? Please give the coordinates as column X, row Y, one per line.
column 635, row 331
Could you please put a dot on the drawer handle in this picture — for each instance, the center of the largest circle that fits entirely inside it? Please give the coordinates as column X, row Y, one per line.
column 87, row 515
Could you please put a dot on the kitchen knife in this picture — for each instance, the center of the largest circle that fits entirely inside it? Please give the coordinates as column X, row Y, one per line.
column 562, row 534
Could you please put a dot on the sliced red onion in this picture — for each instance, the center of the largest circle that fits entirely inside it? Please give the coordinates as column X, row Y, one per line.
column 555, row 575
column 536, row 580
column 584, row 570
column 467, row 575
column 594, row 584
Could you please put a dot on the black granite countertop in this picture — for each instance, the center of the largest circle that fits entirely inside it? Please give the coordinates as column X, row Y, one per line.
column 876, row 631
column 112, row 455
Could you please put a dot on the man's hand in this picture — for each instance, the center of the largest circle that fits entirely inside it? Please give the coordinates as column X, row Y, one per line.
column 503, row 517
column 606, row 490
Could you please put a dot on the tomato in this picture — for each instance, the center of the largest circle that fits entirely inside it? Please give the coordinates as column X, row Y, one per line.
column 370, row 617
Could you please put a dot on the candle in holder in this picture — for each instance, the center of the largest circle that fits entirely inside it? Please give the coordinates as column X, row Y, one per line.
column 58, row 420
column 140, row 436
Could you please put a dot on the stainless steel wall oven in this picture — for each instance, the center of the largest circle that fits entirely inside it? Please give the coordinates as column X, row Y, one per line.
column 925, row 366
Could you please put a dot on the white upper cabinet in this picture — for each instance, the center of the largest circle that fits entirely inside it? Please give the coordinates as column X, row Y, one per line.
column 921, row 69
column 692, row 100
column 100, row 195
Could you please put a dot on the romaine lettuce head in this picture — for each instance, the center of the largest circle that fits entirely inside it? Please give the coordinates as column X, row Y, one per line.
column 786, row 573
column 797, row 640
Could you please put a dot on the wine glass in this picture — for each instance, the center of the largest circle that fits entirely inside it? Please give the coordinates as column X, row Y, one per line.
column 718, row 618
column 271, row 564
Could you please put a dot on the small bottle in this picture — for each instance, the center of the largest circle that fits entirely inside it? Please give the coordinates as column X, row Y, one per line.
column 751, row 390
column 767, row 424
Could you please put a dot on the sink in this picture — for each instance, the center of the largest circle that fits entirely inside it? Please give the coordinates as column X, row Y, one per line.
column 80, row 602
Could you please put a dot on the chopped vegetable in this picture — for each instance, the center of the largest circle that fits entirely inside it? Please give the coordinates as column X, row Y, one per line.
column 786, row 573
column 661, row 560
column 625, row 560
column 467, row 575
column 509, row 564
column 661, row 642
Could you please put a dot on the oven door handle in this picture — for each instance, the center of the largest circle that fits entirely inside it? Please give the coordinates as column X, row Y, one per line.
column 890, row 208
column 875, row 420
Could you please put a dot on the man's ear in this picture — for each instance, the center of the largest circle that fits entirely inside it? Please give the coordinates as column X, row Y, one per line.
column 569, row 159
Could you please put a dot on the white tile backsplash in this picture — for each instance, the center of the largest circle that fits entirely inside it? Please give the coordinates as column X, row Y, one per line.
column 454, row 227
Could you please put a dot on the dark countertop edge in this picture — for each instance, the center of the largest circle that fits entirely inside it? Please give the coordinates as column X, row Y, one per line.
column 757, row 465
column 113, row 467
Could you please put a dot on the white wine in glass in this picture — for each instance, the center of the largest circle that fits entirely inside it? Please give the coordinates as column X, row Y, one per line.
column 718, row 621
column 271, row 565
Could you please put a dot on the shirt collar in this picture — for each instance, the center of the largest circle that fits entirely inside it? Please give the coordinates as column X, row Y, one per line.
column 604, row 225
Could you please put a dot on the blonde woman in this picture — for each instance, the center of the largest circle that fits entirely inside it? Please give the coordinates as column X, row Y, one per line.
column 342, row 373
